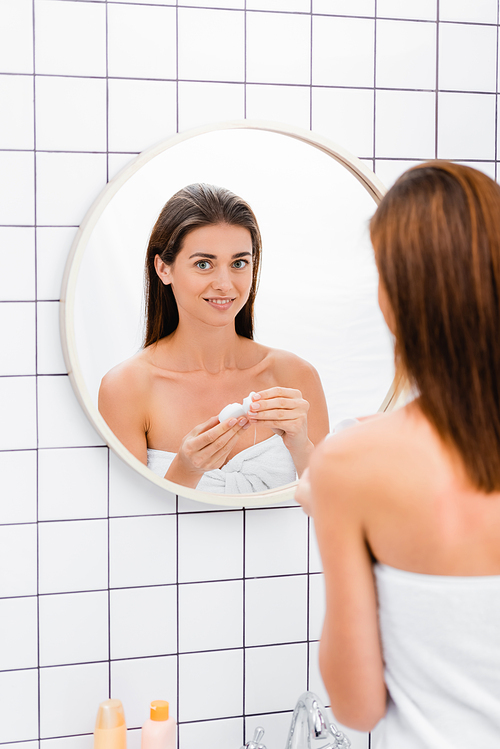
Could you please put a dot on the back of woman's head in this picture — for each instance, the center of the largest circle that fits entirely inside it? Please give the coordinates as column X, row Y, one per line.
column 194, row 206
column 436, row 236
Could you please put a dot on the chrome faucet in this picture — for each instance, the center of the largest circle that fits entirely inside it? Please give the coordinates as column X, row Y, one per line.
column 310, row 721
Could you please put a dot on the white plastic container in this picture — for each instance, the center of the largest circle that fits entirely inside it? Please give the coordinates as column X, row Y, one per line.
column 159, row 731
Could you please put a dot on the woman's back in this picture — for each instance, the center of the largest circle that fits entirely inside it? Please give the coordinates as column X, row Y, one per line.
column 421, row 512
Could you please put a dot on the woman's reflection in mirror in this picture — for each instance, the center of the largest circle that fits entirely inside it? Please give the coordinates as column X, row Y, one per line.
column 199, row 354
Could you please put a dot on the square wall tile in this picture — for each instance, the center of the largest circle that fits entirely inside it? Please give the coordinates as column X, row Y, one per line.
column 314, row 557
column 388, row 170
column 50, row 358
column 459, row 69
column 70, row 38
column 69, row 698
column 70, row 114
column 480, row 11
column 278, row 48
column 289, row 104
column 276, row 610
column 18, row 568
column 18, row 486
column 16, row 36
column 210, row 685
column 131, row 104
column 17, row 323
column 405, row 124
column 276, row 542
column 73, row 628
column 488, row 167
column 342, row 52
column 73, row 556
column 67, row 184
column 18, row 633
column 344, row 7
column 228, row 4
column 406, row 54
column 475, row 138
column 210, row 546
column 17, row 263
column 147, row 2
column 294, row 6
column 16, row 95
column 223, row 733
column 17, row 413
column 204, row 103
column 143, row 621
column 211, row 45
column 138, row 681
column 73, row 742
column 61, row 420
column 275, row 677
column 19, row 705
column 210, row 616
column 132, row 494
column 346, row 116
column 425, row 10
column 17, row 188
column 276, row 725
column 141, row 41
column 142, row 551
column 116, row 162
column 53, row 246
column 316, row 605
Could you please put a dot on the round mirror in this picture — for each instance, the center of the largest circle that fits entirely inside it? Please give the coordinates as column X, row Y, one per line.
column 318, row 289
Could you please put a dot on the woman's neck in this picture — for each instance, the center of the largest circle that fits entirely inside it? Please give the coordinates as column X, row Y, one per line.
column 203, row 347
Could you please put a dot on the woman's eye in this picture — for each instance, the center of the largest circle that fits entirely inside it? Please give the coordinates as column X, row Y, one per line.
column 203, row 264
column 240, row 264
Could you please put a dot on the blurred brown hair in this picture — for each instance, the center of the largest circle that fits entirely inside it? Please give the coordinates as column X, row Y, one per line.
column 194, row 206
column 436, row 236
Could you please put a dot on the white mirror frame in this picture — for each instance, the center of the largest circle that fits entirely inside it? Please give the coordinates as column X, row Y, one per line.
column 68, row 291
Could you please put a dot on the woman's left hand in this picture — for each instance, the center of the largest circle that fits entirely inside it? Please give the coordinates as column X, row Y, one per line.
column 284, row 410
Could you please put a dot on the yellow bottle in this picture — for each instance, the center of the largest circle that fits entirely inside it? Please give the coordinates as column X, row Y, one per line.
column 110, row 729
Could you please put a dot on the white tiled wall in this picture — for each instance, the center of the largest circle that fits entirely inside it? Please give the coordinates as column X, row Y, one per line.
column 108, row 586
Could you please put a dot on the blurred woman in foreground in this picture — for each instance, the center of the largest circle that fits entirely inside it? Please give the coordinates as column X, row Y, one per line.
column 407, row 505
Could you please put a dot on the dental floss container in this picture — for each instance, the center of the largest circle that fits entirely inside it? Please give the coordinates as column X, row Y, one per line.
column 159, row 731
column 235, row 410
column 110, row 729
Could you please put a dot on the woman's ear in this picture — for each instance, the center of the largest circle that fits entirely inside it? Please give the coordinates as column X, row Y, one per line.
column 163, row 271
column 385, row 307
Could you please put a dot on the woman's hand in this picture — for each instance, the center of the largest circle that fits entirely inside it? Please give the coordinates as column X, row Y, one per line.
column 204, row 448
column 284, row 410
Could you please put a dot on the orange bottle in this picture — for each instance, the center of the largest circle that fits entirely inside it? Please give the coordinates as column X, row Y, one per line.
column 110, row 729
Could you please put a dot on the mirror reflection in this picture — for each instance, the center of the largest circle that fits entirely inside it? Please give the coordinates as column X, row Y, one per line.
column 202, row 268
column 317, row 301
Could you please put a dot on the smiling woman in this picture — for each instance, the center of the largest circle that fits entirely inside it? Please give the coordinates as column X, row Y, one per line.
column 202, row 270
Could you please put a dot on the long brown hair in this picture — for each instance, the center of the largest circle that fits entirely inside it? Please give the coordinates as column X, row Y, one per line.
column 194, row 206
column 436, row 236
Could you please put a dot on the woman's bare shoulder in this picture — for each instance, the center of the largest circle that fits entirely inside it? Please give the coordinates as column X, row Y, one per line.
column 129, row 379
column 385, row 454
column 287, row 366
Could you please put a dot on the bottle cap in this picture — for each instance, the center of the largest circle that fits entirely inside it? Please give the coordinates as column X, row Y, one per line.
column 110, row 715
column 159, row 710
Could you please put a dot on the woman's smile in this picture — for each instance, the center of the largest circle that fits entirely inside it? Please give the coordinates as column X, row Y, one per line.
column 220, row 303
